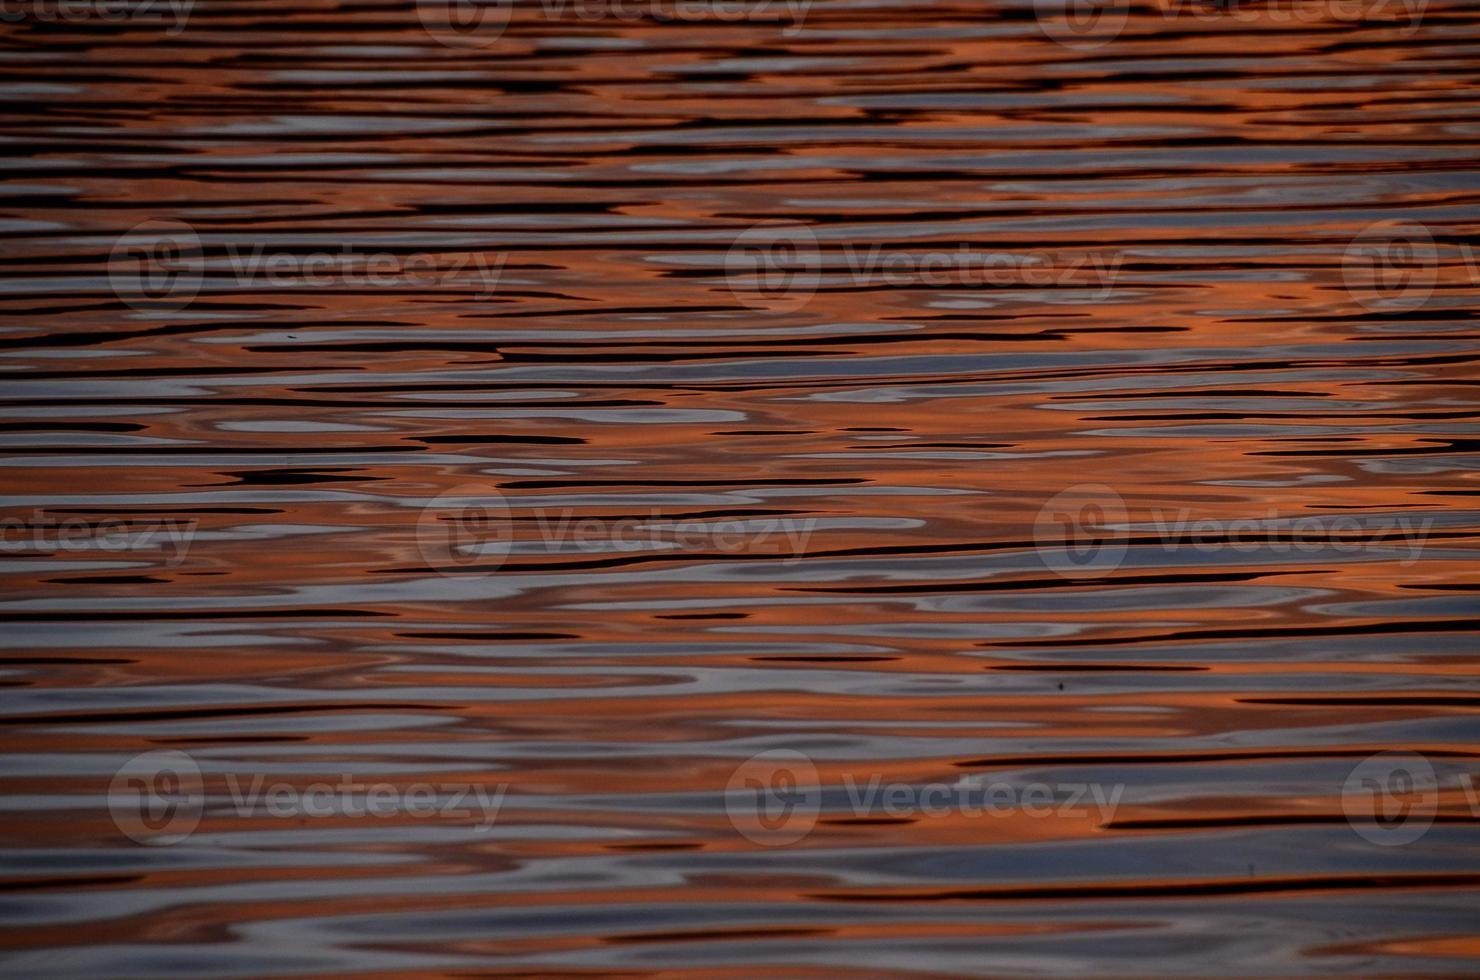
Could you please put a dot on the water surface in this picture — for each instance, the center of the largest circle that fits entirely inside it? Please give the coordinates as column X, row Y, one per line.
column 562, row 505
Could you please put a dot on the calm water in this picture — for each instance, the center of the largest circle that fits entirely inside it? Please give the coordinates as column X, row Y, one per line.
column 684, row 468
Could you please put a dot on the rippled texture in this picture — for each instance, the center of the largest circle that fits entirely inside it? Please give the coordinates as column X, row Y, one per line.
column 885, row 603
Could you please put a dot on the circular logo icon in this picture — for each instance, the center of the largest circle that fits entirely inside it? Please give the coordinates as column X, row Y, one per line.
column 1081, row 531
column 1390, row 798
column 774, row 268
column 157, row 798
column 466, row 528
column 1083, row 25
column 464, row 23
column 773, row 798
column 157, row 266
column 1391, row 266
